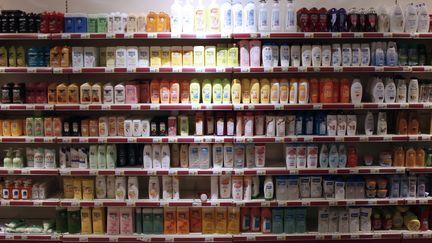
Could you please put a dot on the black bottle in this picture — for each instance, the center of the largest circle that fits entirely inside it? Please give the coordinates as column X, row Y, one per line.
column 163, row 128
column 13, row 23
column 66, row 131
column 18, row 94
column 76, row 131
column 132, row 154
column 121, row 155
column 154, row 127
column 4, row 28
column 23, row 23
column 6, row 94
column 140, row 159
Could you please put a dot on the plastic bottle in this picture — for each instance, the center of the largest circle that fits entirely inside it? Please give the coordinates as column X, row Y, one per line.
column 303, row 91
column 369, row 124
column 176, row 17
column 423, row 19
column 199, row 17
column 290, row 17
column 226, row 17
column 413, row 91
column 188, row 17
column 267, row 57
column 391, row 54
column 342, row 156
column 333, row 156
column 401, row 91
column 275, row 25
column 411, row 18
column 268, row 188
column 397, row 19
column 7, row 160
column 263, row 17
column 324, row 156
column 274, row 91
column 249, row 17
column 213, row 17
column 390, row 91
column 237, row 17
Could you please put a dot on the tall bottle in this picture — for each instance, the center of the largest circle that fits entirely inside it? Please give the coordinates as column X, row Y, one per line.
column 213, row 17
column 176, row 17
column 199, row 17
column 290, row 17
column 275, row 17
column 226, row 18
column 423, row 22
column 411, row 18
column 249, row 17
column 397, row 20
column 237, row 16
column 263, row 17
column 188, row 17
column 7, row 160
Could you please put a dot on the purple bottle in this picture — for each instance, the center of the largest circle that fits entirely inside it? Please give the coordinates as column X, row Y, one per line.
column 332, row 20
column 341, row 20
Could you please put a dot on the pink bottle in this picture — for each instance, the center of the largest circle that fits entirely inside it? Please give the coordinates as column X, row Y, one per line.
column 113, row 221
column 126, row 221
column 132, row 94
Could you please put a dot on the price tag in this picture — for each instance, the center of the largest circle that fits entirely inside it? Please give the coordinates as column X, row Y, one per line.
column 307, row 204
column 338, row 69
column 377, row 236
column 110, row 35
column 119, row 172
column 55, row 70
column 265, row 35
column 316, row 69
column 308, row 139
column 379, row 69
column 83, row 239
column 350, row 203
column 279, row 140
column 152, row 35
column 131, row 70
column 172, row 140
column 302, row 69
column 387, row 138
column 336, row 35
column 308, row 35
column 249, row 140
column 387, row 35
column 354, row 236
column 358, row 35
column 85, row 36
column 407, row 69
column 198, row 140
column 220, row 69
column 128, row 35
column 98, row 204
column 317, row 106
column 154, row 70
column 372, row 202
column 130, row 203
column 175, row 35
column 339, row 139
column 31, row 70
column 9, row 237
column 337, row 237
column 413, row 138
column 157, row 140
column 208, row 239
column 382, row 106
column 2, row 70
column 253, row 35
column 364, row 138
column 282, row 203
column 319, row 237
column 245, row 69
column 268, row 69
column 76, row 70
column 199, row 70
column 65, row 36
column 75, row 204
column 428, row 68
column 201, row 35
column 42, row 36
column 113, row 239
column 176, row 69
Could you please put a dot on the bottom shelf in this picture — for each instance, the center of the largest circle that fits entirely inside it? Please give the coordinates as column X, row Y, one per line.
column 376, row 235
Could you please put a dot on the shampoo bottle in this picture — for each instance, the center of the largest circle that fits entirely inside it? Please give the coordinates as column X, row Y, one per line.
column 369, row 124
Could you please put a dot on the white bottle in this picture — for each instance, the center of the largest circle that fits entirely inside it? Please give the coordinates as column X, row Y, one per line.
column 111, row 156
column 247, row 188
column 255, row 53
column 365, row 54
column 306, row 55
column 275, row 24
column 423, row 19
column 249, row 17
column 336, row 55
column 147, row 156
column 326, row 55
column 413, row 91
column 275, row 55
column 377, row 90
column 351, row 125
column 176, row 17
column 165, row 156
column 200, row 17
column 341, row 124
column 316, row 55
column 226, row 17
column 382, row 123
column 342, row 156
column 284, row 55
column 392, row 55
column 397, row 19
column 383, row 20
column 356, row 55
column 93, row 156
column 324, row 156
column 290, row 17
column 333, row 156
column 188, row 17
column 228, row 155
column 225, row 186
column 218, row 155
column 295, row 56
column 214, row 188
column 102, row 163
column 268, row 188
column 267, row 56
column 369, row 124
column 154, row 188
column 263, row 17
column 411, row 18
column 356, row 91
column 156, row 156
column 213, row 17
column 346, row 55
column 237, row 17
column 390, row 91
column 401, row 91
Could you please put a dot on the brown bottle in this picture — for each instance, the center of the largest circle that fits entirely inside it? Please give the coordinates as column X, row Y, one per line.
column 52, row 93
column 410, row 158
column 399, row 157
column 413, row 124
column 402, row 124
column 420, row 158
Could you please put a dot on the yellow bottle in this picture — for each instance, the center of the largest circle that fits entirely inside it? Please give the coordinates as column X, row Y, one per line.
column 61, row 94
column 68, row 187
column 52, row 93
column 207, row 91
column 155, row 56
column 87, row 189
column 274, row 91
column 73, row 93
column 195, row 89
column 213, row 17
column 236, row 91
column 198, row 53
column 283, row 91
column 16, row 128
column 217, row 91
column 176, row 56
column 208, row 220
column 166, row 56
column 226, row 95
column 255, row 91
column 222, row 55
column 221, row 220
column 233, row 54
column 85, row 93
column 98, row 217
column 188, row 56
column 233, row 226
column 210, row 56
column 265, row 91
column 245, row 85
column 86, row 221
column 6, row 127
column 77, row 189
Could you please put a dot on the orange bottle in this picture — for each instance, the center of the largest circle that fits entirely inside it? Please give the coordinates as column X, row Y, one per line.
column 174, row 92
column 151, row 23
column 410, row 158
column 327, row 91
column 163, row 22
column 413, row 124
column 344, row 91
column 399, row 157
column 145, row 92
column 170, row 221
column 164, row 91
column 420, row 157
column 154, row 91
column 52, row 93
column 182, row 220
column 402, row 123
column 314, row 90
column 184, row 91
column 195, row 216
column 335, row 91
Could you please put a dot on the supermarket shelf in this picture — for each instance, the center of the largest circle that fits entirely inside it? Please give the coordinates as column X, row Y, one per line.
column 69, row 70
column 392, row 234
column 26, row 107
column 30, row 203
column 30, row 237
column 25, row 36
column 144, row 35
column 28, row 171
column 366, row 69
column 331, row 35
column 221, row 139
column 25, row 139
column 317, row 202
column 330, row 106
column 131, row 107
column 139, row 171
column 43, row 70
column 419, row 170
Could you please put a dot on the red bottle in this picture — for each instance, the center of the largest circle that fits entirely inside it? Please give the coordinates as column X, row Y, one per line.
column 31, row 91
column 352, row 157
column 303, row 20
column 44, row 22
column 41, row 94
column 314, row 20
column 323, row 19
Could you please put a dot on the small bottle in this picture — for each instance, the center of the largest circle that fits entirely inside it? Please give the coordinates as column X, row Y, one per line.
column 7, row 160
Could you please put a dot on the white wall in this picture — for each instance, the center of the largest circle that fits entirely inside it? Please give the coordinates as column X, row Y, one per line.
column 97, row 6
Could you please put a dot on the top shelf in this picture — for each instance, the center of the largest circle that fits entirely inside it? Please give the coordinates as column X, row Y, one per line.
column 216, row 36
